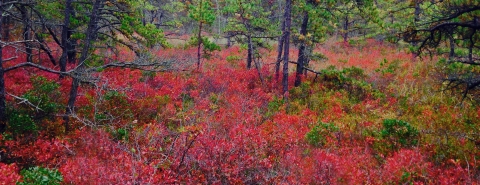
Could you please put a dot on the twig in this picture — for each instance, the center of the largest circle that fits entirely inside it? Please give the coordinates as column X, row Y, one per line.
column 25, row 101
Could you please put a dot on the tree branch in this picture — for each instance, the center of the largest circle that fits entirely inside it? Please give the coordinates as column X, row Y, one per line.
column 25, row 101
column 306, row 68
column 43, row 68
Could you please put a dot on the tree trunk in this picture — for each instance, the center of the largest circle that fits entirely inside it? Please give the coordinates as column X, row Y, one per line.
column 199, row 49
column 199, row 38
column 416, row 17
column 71, row 43
column 144, row 19
column 42, row 46
column 65, row 39
column 6, row 28
column 452, row 46
column 91, row 34
column 302, row 50
column 249, row 52
column 26, row 33
column 279, row 51
column 229, row 41
column 286, row 48
column 470, row 50
column 3, row 107
column 417, row 12
column 257, row 63
column 345, row 30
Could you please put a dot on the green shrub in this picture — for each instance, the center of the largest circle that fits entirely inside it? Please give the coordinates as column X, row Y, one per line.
column 21, row 123
column 45, row 95
column 358, row 42
column 399, row 133
column 115, row 105
column 187, row 101
column 146, row 75
column 318, row 57
column 232, row 58
column 350, row 79
column 301, row 93
column 274, row 106
column 41, row 176
column 318, row 135
column 120, row 134
column 43, row 103
column 388, row 67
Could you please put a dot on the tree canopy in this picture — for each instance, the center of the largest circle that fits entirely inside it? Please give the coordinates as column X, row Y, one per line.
column 452, row 24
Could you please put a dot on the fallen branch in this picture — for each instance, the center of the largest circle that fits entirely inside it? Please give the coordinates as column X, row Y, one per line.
column 25, row 101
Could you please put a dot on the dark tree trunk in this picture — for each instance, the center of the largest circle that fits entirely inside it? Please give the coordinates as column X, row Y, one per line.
column 71, row 43
column 452, row 46
column 199, row 48
column 154, row 15
column 257, row 63
column 470, row 50
column 144, row 18
column 286, row 48
column 199, row 38
column 279, row 51
column 27, row 35
column 302, row 50
column 91, row 34
column 345, row 30
column 416, row 17
column 6, row 28
column 65, row 39
column 3, row 108
column 417, row 12
column 42, row 46
column 229, row 41
column 159, row 20
column 249, row 52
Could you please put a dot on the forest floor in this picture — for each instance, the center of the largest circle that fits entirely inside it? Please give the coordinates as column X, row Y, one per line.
column 376, row 115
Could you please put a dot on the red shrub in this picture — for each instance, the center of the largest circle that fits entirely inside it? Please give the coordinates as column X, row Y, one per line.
column 9, row 174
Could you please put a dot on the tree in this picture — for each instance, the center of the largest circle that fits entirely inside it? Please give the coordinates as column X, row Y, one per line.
column 286, row 47
column 302, row 55
column 202, row 12
column 457, row 21
column 251, row 24
column 106, row 20
column 393, row 17
column 354, row 16
column 68, row 50
column 313, row 29
column 280, row 45
column 3, row 107
column 91, row 35
column 97, row 24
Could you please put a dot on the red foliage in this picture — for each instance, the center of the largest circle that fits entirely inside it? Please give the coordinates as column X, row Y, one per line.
column 41, row 151
column 96, row 159
column 406, row 165
column 211, row 127
column 9, row 174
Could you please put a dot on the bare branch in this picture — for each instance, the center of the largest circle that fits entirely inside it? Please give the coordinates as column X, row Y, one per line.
column 8, row 59
column 306, row 68
column 30, row 64
column 25, row 101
